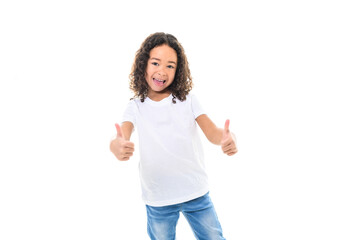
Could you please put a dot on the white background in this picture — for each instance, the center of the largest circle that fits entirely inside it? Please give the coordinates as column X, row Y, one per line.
column 271, row 67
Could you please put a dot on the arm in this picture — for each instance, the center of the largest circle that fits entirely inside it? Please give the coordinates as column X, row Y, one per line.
column 213, row 134
column 121, row 146
column 127, row 128
column 217, row 135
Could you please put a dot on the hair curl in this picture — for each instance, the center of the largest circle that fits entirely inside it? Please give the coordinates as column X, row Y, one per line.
column 182, row 83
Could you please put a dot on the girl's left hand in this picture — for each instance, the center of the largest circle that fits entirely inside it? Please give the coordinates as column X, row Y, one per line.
column 228, row 143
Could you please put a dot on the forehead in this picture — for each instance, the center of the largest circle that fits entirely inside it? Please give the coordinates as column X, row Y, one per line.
column 163, row 52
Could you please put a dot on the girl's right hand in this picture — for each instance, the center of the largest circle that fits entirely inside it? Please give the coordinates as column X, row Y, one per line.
column 120, row 147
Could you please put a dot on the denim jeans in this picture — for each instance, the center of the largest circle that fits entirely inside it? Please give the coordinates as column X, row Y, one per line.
column 200, row 213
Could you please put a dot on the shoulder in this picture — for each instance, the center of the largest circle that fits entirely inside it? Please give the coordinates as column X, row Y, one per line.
column 196, row 106
column 192, row 97
column 188, row 98
column 132, row 104
column 135, row 101
column 191, row 100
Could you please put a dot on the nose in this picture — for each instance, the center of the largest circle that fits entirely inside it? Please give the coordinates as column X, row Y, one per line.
column 161, row 73
column 162, row 70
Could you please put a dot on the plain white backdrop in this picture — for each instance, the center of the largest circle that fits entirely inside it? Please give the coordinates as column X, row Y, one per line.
column 271, row 67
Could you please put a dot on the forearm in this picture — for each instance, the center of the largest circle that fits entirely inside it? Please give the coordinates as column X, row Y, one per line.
column 215, row 135
column 127, row 129
column 211, row 131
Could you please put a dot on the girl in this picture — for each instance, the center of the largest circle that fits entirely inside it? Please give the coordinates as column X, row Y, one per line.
column 172, row 173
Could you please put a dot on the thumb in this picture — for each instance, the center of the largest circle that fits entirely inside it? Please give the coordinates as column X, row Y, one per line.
column 119, row 131
column 226, row 129
column 226, row 125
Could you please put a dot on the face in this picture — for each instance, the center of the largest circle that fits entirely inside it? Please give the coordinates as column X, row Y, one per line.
column 160, row 70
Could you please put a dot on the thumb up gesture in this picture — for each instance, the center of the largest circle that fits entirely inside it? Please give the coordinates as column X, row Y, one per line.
column 121, row 147
column 228, row 144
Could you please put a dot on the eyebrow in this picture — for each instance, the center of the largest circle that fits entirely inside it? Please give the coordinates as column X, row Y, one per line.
column 160, row 60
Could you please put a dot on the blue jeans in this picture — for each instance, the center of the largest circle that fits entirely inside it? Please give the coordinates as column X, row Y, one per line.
column 200, row 213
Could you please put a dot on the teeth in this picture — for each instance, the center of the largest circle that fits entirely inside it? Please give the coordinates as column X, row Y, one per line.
column 163, row 81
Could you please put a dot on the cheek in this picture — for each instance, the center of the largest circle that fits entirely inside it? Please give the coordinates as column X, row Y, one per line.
column 147, row 73
column 173, row 75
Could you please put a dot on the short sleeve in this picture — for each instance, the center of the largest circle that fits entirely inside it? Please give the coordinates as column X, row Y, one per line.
column 196, row 107
column 130, row 113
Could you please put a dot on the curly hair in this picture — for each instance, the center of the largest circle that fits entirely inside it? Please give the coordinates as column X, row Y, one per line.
column 182, row 83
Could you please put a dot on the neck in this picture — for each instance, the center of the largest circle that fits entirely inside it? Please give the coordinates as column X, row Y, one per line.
column 158, row 96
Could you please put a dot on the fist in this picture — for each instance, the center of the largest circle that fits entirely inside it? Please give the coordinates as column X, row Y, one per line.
column 228, row 144
column 120, row 147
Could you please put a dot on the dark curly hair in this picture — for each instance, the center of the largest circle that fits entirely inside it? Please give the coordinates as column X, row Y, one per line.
column 182, row 83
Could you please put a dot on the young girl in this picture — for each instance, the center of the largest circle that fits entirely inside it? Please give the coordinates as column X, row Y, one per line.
column 172, row 173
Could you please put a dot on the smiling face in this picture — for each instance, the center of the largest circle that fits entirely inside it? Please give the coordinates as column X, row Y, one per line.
column 160, row 71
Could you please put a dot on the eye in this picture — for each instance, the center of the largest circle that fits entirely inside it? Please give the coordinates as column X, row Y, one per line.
column 170, row 66
column 155, row 63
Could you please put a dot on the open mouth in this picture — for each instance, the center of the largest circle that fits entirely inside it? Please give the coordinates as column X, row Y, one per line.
column 159, row 82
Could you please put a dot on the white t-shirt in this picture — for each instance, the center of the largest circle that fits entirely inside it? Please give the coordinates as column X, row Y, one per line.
column 171, row 163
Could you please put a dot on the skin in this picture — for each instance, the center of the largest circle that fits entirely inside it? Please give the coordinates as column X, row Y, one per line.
column 162, row 66
column 159, row 74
